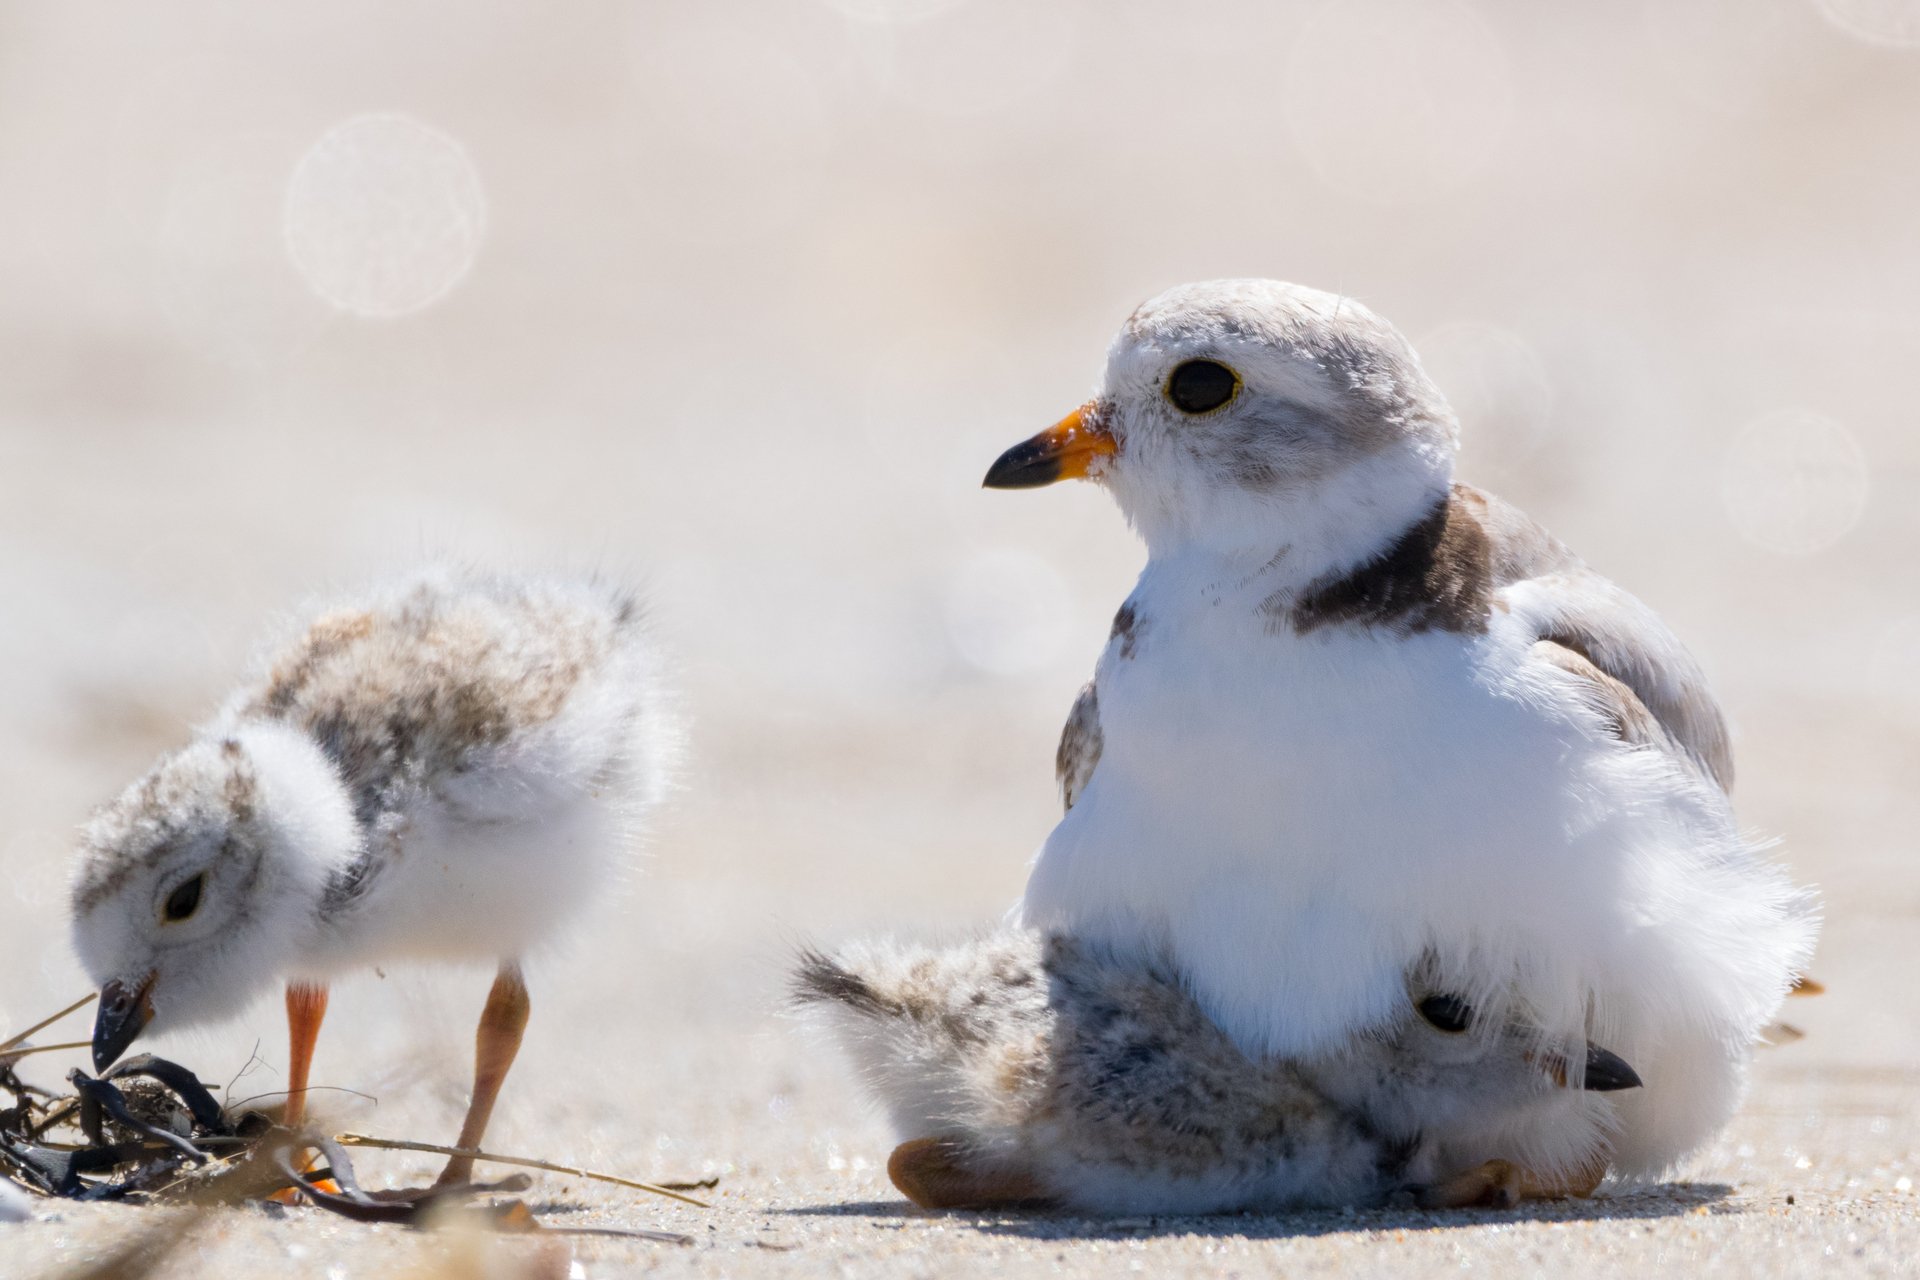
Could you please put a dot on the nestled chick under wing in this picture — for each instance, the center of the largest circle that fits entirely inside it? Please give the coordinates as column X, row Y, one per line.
column 1046, row 1068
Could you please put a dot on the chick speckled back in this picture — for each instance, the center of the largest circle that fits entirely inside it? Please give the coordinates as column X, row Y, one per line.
column 424, row 681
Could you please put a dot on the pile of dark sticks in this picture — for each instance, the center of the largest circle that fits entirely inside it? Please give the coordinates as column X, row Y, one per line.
column 147, row 1131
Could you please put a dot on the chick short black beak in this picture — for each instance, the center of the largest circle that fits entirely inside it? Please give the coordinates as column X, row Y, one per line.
column 1065, row 451
column 124, row 1013
column 1608, row 1071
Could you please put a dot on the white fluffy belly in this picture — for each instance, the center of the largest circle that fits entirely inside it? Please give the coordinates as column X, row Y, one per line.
column 1298, row 817
column 461, row 891
column 1304, row 817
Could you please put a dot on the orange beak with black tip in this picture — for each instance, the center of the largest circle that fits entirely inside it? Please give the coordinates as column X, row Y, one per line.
column 1067, row 450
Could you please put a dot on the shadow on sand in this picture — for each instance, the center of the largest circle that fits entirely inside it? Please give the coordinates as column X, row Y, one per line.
column 1669, row 1200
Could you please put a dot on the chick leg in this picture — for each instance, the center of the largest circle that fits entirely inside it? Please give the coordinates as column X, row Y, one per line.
column 1502, row 1184
column 497, row 1041
column 938, row 1173
column 306, row 1008
column 1497, row 1184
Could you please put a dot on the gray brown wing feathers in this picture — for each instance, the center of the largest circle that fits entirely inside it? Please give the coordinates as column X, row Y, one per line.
column 1613, row 634
column 1626, row 640
column 1079, row 750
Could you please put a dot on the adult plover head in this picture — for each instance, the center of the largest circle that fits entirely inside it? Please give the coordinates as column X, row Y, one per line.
column 1237, row 411
column 193, row 886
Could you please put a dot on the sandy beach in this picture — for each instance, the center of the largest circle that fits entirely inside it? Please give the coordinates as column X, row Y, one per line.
column 739, row 304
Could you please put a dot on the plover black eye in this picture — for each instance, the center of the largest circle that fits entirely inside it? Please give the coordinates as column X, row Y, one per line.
column 184, row 900
column 1201, row 386
column 1449, row 1013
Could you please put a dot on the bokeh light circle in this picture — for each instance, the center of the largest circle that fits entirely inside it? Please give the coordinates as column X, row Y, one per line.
column 1794, row 482
column 384, row 215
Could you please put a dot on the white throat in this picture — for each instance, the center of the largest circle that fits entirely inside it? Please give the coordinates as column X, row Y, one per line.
column 1300, row 537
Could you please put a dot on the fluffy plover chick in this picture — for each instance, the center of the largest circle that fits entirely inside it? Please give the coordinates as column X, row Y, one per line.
column 1020, row 1068
column 1354, row 713
column 450, row 769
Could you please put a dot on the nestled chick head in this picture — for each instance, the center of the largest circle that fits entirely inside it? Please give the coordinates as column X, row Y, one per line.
column 1242, row 390
column 195, row 887
column 1448, row 1063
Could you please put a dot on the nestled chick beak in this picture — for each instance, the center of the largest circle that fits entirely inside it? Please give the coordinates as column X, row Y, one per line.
column 1605, row 1071
column 124, row 1013
column 1065, row 451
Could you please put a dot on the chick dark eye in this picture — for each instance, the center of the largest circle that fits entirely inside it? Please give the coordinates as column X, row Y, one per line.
column 1449, row 1013
column 185, row 900
column 1199, row 386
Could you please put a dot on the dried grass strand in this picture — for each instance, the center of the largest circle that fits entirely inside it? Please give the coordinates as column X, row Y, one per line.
column 20, row 1038
column 394, row 1144
column 11, row 1054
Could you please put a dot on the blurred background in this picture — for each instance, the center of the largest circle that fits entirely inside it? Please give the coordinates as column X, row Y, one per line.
column 741, row 300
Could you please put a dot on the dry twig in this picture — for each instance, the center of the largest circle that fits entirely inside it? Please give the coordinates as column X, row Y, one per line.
column 163, row 1138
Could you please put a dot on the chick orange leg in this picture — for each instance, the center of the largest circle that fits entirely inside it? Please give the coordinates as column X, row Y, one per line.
column 497, row 1041
column 306, row 1009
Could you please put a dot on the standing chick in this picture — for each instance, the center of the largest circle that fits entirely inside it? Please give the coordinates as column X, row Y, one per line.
column 1354, row 713
column 448, row 769
column 1026, row 1069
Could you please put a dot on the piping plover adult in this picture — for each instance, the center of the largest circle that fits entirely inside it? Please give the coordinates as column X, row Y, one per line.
column 1021, row 1068
column 447, row 769
column 1355, row 713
